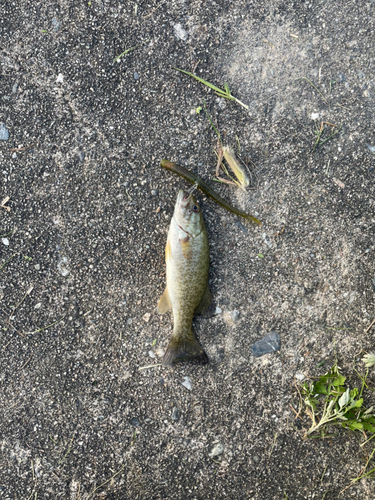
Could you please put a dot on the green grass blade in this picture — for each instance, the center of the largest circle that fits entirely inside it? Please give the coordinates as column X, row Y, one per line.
column 208, row 84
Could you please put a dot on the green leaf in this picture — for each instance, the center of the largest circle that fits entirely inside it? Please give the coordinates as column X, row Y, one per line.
column 260, row 255
column 368, row 427
column 353, row 425
column 345, row 398
column 339, row 380
column 320, row 388
column 369, row 359
column 357, row 404
column 354, row 393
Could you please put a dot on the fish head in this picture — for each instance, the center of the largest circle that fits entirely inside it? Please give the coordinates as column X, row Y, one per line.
column 187, row 214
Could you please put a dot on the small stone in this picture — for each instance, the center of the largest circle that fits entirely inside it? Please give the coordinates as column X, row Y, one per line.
column 81, row 156
column 134, row 422
column 151, row 354
column 352, row 297
column 154, row 192
column 146, row 317
column 38, row 306
column 371, row 148
column 256, row 459
column 338, row 183
column 37, row 267
column 160, row 352
column 60, row 78
column 62, row 266
column 14, row 156
column 340, row 78
column 266, row 240
column 180, row 32
column 187, row 383
column 315, row 116
column 175, row 416
column 218, row 310
column 300, row 376
column 135, row 75
column 361, row 74
column 56, row 24
column 4, row 132
column 241, row 226
column 5, row 241
column 216, row 450
column 232, row 317
column 270, row 343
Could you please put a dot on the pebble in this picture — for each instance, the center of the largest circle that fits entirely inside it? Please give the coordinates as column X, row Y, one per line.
column 56, row 24
column 154, row 192
column 270, row 343
column 5, row 241
column 241, row 226
column 160, row 352
column 60, row 78
column 218, row 310
column 4, row 132
column 266, row 240
column 300, row 376
column 216, row 450
column 81, row 156
column 135, row 75
column 315, row 116
column 340, row 78
column 151, row 354
column 134, row 422
column 232, row 317
column 187, row 383
column 175, row 415
column 256, row 459
column 62, row 266
column 146, row 317
column 37, row 267
column 371, row 148
column 38, row 305
column 180, row 32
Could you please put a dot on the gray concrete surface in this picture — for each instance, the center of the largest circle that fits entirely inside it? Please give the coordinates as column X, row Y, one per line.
column 89, row 213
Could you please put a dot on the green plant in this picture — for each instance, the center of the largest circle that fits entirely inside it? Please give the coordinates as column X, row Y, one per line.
column 319, row 131
column 219, row 92
column 369, row 359
column 329, row 402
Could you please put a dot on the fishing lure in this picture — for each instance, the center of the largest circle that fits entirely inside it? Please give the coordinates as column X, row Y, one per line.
column 207, row 190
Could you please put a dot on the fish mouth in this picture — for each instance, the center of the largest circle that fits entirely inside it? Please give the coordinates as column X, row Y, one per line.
column 183, row 198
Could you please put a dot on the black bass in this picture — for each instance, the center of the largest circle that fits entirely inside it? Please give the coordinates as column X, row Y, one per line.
column 187, row 260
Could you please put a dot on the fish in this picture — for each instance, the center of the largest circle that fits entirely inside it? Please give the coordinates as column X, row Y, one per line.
column 203, row 186
column 187, row 259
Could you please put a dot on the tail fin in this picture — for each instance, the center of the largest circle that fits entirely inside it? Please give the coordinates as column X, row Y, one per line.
column 182, row 349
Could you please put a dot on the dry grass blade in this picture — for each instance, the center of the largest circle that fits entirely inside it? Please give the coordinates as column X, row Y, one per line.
column 236, row 168
column 311, row 83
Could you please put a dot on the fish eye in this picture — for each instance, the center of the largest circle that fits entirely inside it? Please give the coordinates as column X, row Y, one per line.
column 195, row 208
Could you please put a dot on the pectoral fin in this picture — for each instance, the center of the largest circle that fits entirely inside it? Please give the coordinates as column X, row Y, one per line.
column 164, row 303
column 205, row 302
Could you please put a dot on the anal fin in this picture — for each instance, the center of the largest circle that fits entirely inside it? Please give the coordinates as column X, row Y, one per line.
column 164, row 303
